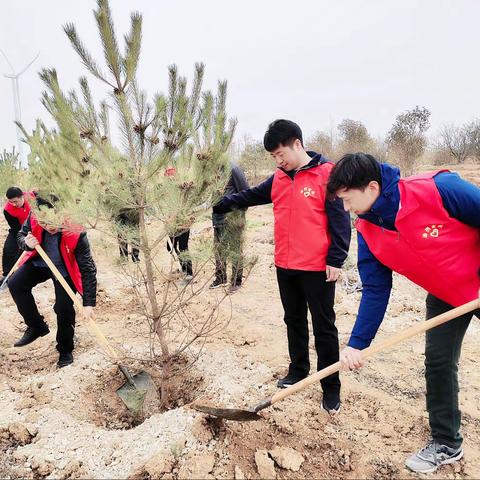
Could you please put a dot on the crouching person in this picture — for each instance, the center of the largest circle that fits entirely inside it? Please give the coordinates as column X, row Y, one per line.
column 70, row 252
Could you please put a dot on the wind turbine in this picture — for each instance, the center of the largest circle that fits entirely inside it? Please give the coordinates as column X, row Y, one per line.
column 16, row 105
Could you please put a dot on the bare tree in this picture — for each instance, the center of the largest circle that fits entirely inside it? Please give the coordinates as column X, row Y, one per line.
column 322, row 142
column 354, row 136
column 473, row 132
column 255, row 160
column 406, row 139
column 455, row 141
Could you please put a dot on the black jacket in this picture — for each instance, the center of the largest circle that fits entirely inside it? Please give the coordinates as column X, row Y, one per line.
column 13, row 223
column 338, row 219
column 83, row 256
column 237, row 182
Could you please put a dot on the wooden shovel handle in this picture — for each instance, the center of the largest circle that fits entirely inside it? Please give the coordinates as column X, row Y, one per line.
column 91, row 323
column 380, row 347
column 14, row 268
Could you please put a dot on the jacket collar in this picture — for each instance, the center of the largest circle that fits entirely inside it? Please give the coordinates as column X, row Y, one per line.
column 384, row 210
column 316, row 159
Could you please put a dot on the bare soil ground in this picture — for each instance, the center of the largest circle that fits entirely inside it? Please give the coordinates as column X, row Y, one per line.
column 68, row 423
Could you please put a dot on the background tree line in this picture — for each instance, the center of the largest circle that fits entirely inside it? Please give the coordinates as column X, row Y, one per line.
column 406, row 144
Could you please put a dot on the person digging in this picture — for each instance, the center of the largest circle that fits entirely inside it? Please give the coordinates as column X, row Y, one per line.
column 312, row 238
column 16, row 211
column 69, row 250
column 427, row 228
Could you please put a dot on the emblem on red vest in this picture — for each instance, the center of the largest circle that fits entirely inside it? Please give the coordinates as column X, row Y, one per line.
column 432, row 231
column 307, row 192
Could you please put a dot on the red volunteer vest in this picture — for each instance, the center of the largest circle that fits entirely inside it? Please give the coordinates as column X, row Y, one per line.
column 302, row 238
column 21, row 213
column 432, row 249
column 68, row 244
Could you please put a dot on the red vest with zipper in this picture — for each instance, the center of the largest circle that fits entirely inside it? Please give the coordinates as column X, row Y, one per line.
column 68, row 244
column 302, row 238
column 21, row 213
column 432, row 249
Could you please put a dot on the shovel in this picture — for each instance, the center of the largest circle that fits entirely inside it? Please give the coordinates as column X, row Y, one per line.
column 134, row 390
column 4, row 285
column 252, row 413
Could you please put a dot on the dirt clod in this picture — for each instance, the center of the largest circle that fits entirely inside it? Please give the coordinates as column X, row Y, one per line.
column 160, row 463
column 238, row 473
column 197, row 465
column 265, row 465
column 287, row 458
column 20, row 433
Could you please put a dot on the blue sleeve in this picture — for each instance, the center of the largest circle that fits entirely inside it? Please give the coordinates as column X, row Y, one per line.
column 460, row 198
column 340, row 232
column 377, row 284
column 259, row 195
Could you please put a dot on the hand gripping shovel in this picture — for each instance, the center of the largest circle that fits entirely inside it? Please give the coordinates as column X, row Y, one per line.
column 4, row 285
column 252, row 413
column 134, row 390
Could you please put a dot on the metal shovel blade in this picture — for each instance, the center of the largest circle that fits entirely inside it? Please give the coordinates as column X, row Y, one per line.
column 229, row 413
column 3, row 288
column 133, row 396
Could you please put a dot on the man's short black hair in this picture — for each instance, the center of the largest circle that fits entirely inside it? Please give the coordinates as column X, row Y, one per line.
column 14, row 192
column 281, row 133
column 354, row 170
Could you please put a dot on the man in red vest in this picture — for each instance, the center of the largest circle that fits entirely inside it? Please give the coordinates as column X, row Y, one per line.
column 312, row 237
column 15, row 210
column 427, row 228
column 69, row 250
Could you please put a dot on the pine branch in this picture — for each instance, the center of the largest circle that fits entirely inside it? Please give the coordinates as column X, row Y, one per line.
column 220, row 113
column 196, row 89
column 172, row 93
column 207, row 112
column 83, row 53
column 104, row 119
column 133, row 42
column 111, row 51
column 90, row 111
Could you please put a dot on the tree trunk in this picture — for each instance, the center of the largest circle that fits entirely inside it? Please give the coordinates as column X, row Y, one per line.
column 158, row 327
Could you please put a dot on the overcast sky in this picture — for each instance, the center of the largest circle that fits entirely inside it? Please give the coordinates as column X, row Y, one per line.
column 312, row 61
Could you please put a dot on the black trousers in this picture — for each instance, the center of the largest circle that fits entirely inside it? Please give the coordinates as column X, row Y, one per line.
column 127, row 219
column 21, row 284
column 443, row 345
column 10, row 252
column 228, row 240
column 180, row 245
column 299, row 291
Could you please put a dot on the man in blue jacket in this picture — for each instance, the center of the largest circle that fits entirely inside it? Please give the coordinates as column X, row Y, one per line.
column 427, row 228
column 312, row 237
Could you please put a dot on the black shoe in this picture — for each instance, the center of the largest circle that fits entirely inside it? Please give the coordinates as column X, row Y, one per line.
column 31, row 334
column 218, row 282
column 331, row 403
column 288, row 381
column 234, row 288
column 64, row 360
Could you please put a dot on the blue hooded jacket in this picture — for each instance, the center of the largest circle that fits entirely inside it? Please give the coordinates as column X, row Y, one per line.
column 460, row 198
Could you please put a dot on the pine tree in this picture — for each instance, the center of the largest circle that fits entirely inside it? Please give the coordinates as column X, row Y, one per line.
column 96, row 180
